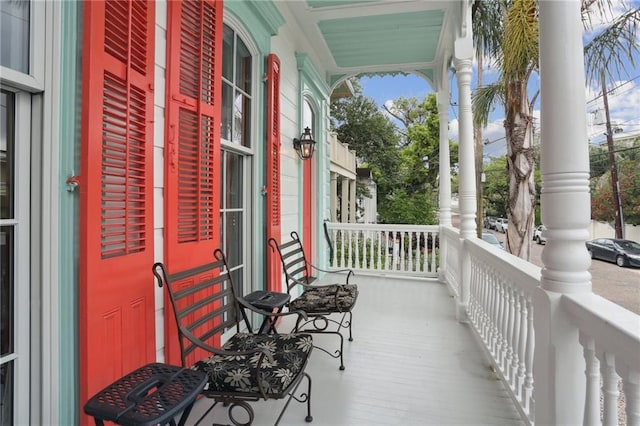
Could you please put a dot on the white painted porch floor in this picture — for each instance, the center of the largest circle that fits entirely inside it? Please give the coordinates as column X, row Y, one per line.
column 411, row 363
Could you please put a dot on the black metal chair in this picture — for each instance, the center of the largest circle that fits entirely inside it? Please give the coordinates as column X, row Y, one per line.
column 318, row 301
column 249, row 366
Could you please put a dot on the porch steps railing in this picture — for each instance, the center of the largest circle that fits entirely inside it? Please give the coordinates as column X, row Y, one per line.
column 410, row 250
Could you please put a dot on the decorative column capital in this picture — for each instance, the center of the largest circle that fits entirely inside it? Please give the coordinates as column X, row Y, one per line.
column 463, row 67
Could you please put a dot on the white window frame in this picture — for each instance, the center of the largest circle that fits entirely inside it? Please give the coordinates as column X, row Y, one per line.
column 249, row 171
column 23, row 85
column 21, row 249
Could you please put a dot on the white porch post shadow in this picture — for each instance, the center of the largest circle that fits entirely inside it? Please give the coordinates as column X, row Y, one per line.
column 444, row 185
column 444, row 194
column 352, row 201
column 565, row 203
column 466, row 158
column 344, row 202
column 334, row 197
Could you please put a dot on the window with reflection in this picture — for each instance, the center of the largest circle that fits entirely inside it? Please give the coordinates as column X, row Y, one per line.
column 236, row 172
column 236, row 90
column 7, row 252
column 14, row 34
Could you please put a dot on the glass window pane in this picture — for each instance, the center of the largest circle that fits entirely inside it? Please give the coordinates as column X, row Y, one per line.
column 237, row 277
column 7, row 310
column 6, row 394
column 243, row 67
column 227, row 54
column 7, row 148
column 235, row 183
column 242, row 120
column 227, row 110
column 307, row 116
column 14, row 35
column 233, row 232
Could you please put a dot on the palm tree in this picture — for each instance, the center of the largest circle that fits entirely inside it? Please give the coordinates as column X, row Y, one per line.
column 517, row 62
column 487, row 27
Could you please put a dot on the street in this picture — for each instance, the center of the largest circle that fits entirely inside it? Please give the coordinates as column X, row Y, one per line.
column 619, row 285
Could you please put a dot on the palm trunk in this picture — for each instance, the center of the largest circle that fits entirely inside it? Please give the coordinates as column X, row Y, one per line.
column 521, row 165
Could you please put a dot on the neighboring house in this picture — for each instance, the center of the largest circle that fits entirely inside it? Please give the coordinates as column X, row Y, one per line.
column 142, row 131
column 367, row 204
column 343, row 181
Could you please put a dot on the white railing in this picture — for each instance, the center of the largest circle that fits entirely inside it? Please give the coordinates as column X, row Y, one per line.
column 498, row 295
column 609, row 335
column 501, row 312
column 451, row 249
column 342, row 156
column 385, row 249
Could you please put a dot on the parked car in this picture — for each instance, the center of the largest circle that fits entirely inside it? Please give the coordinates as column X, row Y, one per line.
column 502, row 224
column 490, row 222
column 538, row 234
column 622, row 252
column 492, row 239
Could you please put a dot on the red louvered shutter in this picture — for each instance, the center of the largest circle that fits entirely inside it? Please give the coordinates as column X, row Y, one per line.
column 116, row 297
column 192, row 148
column 274, row 275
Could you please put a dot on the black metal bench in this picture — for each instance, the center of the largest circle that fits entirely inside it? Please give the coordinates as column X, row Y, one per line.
column 318, row 301
column 249, row 366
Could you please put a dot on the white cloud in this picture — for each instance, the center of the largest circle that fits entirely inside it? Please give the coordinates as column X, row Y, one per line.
column 623, row 109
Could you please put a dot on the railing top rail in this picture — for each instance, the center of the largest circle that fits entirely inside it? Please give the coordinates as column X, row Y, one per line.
column 522, row 274
column 381, row 227
column 613, row 328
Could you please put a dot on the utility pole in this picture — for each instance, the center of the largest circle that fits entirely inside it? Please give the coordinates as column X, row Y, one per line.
column 615, row 186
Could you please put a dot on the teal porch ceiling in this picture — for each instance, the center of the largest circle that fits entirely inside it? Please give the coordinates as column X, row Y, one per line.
column 351, row 37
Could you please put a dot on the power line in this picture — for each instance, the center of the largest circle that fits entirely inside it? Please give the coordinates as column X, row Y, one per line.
column 614, row 88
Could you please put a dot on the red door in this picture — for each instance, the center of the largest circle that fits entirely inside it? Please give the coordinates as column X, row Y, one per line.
column 192, row 148
column 308, row 211
column 274, row 274
column 116, row 296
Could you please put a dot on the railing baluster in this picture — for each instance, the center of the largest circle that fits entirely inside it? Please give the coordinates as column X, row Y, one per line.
column 528, row 381
column 609, row 389
column 592, row 394
column 522, row 344
column 631, row 380
column 515, row 338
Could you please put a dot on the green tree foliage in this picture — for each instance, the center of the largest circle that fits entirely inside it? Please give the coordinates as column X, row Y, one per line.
column 360, row 123
column 400, row 207
column 404, row 161
column 496, row 187
column 602, row 208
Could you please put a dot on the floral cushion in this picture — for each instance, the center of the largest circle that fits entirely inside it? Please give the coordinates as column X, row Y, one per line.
column 239, row 373
column 322, row 299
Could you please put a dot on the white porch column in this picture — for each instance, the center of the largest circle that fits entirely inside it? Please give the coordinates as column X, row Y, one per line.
column 565, row 203
column 344, row 202
column 466, row 158
column 444, row 194
column 352, row 201
column 466, row 163
column 334, row 197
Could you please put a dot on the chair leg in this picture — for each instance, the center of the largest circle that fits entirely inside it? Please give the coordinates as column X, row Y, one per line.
column 350, row 323
column 304, row 397
column 309, row 417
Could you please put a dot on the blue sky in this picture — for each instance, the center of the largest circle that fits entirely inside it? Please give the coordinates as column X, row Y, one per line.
column 624, row 101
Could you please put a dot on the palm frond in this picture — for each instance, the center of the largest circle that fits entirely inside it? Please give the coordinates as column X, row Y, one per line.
column 483, row 100
column 487, row 18
column 615, row 47
column 520, row 43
